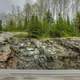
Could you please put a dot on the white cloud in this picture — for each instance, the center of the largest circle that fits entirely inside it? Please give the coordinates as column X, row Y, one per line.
column 34, row 1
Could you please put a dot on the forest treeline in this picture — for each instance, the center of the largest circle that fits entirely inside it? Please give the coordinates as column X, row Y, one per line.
column 45, row 18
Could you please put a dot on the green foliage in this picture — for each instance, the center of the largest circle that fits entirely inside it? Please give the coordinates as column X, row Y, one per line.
column 44, row 27
column 21, row 34
column 0, row 25
column 25, row 23
column 34, row 27
column 40, row 28
column 77, row 23
column 11, row 25
column 48, row 17
column 19, row 26
column 62, row 28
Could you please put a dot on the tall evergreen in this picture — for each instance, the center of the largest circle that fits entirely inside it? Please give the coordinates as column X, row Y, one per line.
column 34, row 27
column 77, row 22
column 0, row 25
column 48, row 17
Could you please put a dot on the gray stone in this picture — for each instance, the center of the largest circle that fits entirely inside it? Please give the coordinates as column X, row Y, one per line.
column 58, row 53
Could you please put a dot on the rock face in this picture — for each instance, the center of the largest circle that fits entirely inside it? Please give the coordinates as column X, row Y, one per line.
column 58, row 53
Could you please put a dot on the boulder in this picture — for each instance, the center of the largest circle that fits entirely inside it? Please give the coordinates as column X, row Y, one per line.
column 4, row 52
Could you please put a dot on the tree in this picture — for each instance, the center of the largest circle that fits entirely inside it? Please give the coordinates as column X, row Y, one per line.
column 19, row 20
column 28, row 10
column 77, row 23
column 11, row 25
column 0, row 25
column 25, row 24
column 43, row 6
column 48, row 17
column 77, row 5
column 62, row 28
column 19, row 26
column 34, row 27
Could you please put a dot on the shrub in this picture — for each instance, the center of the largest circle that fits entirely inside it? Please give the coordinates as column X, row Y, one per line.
column 62, row 28
column 34, row 27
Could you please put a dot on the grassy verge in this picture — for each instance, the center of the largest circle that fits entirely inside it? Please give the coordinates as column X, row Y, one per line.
column 20, row 34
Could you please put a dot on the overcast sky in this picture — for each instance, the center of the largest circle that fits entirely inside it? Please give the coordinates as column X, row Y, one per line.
column 5, row 5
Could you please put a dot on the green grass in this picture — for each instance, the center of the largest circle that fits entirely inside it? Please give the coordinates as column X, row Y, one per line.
column 20, row 34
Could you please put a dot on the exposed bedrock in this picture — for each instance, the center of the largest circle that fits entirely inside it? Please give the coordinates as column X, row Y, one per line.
column 56, row 53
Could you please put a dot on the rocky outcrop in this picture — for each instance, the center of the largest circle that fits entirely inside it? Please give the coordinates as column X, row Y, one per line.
column 58, row 53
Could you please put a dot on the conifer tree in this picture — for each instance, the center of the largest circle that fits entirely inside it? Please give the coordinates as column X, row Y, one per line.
column 34, row 27
column 48, row 17
column 0, row 25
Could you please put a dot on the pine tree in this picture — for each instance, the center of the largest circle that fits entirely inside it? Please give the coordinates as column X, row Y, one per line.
column 19, row 26
column 48, row 17
column 11, row 25
column 0, row 25
column 77, row 22
column 25, row 23
column 34, row 27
